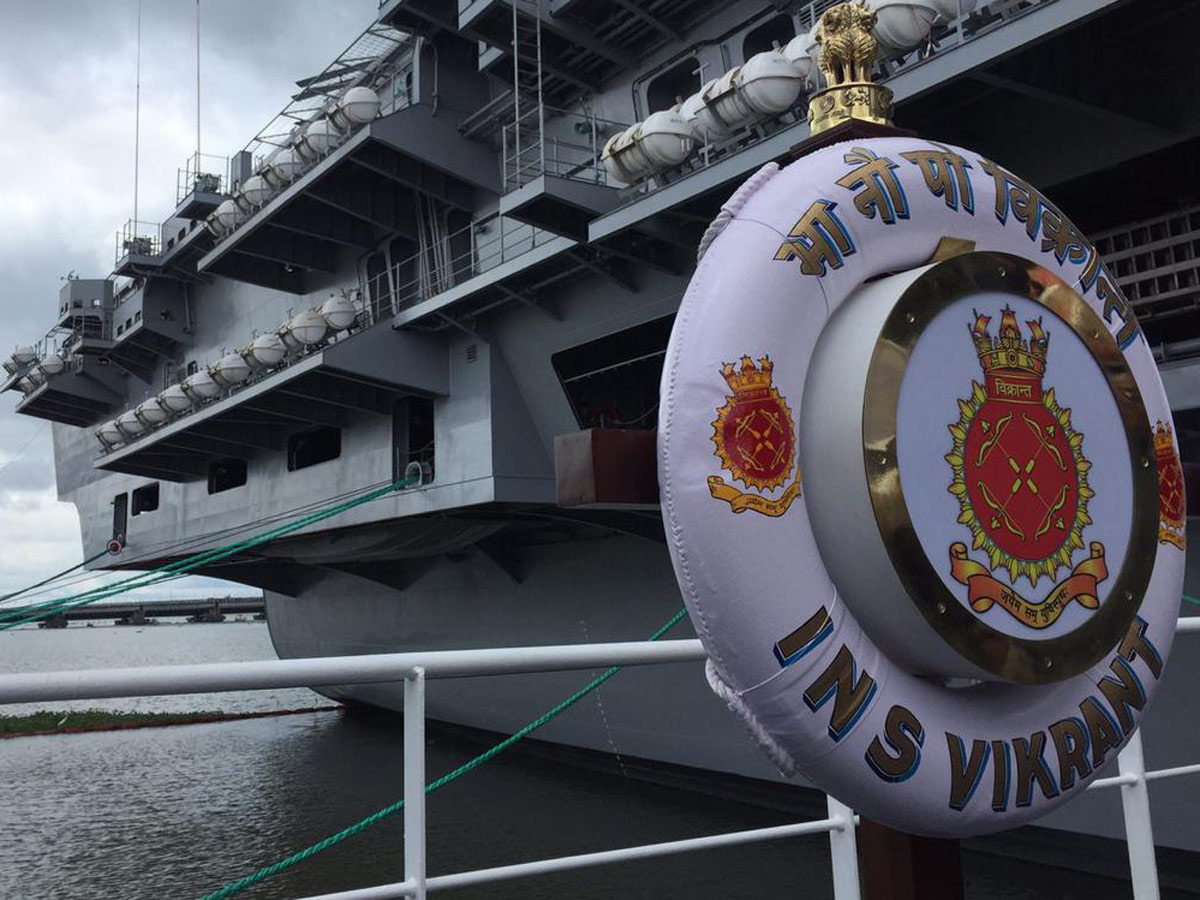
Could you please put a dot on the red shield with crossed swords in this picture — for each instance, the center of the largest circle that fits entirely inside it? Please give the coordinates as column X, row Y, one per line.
column 1021, row 476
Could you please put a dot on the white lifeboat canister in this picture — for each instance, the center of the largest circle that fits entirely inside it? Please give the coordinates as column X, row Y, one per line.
column 23, row 356
column 946, row 647
column 319, row 138
column 231, row 369
column 728, row 103
column 51, row 364
column 307, row 327
column 214, row 225
column 691, row 109
column 228, row 216
column 268, row 172
column 339, row 312
column 284, row 333
column 705, row 121
column 257, row 190
column 804, row 52
column 36, row 376
column 666, row 139
column 108, row 434
column 905, row 24
column 623, row 159
column 770, row 83
column 27, row 387
column 201, row 386
column 129, row 424
column 175, row 399
column 266, row 350
column 286, row 165
column 661, row 142
column 10, row 365
column 797, row 52
column 152, row 412
column 358, row 106
column 902, row 24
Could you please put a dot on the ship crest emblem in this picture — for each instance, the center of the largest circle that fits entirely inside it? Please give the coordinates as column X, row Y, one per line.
column 1021, row 481
column 1172, row 497
column 755, row 438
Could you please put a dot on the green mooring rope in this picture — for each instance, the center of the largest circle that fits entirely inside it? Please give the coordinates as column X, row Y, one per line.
column 11, row 618
column 363, row 824
column 1191, row 600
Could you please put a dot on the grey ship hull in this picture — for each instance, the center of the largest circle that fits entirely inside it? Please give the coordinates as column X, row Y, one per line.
column 622, row 588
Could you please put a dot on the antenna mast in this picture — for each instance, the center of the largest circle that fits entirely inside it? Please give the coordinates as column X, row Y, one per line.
column 137, row 113
column 197, row 85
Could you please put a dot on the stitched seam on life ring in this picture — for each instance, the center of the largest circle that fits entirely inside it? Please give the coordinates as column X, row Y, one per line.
column 734, row 205
column 681, row 325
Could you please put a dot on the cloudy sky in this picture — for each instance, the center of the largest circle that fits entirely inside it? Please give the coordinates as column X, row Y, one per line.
column 67, row 77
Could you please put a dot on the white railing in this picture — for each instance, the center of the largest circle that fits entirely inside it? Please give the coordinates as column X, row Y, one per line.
column 414, row 668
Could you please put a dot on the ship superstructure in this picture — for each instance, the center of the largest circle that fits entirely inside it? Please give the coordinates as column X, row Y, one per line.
column 468, row 235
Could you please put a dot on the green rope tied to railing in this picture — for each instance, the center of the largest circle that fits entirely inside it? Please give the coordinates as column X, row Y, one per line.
column 363, row 824
column 11, row 618
column 1191, row 600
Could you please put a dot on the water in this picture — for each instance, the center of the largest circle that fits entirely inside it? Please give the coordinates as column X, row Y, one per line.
column 177, row 812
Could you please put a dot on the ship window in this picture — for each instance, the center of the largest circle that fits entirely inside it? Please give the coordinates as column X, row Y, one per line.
column 612, row 382
column 680, row 81
column 412, row 437
column 226, row 474
column 145, row 499
column 317, row 445
column 778, row 30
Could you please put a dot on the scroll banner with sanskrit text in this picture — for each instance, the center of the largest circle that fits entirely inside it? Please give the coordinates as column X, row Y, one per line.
column 740, row 502
column 984, row 591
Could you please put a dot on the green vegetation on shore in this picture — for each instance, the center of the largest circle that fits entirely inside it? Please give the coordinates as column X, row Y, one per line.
column 55, row 722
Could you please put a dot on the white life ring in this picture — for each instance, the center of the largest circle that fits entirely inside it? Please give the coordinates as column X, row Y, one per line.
column 881, row 626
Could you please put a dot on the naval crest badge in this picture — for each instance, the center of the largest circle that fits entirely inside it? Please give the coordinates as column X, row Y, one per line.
column 1021, row 481
column 755, row 438
column 1172, row 497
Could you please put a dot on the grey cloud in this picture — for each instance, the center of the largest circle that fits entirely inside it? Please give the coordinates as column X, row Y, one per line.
column 32, row 471
column 66, row 169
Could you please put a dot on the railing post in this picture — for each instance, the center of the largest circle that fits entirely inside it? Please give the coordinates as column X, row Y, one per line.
column 843, row 852
column 1139, row 834
column 414, row 781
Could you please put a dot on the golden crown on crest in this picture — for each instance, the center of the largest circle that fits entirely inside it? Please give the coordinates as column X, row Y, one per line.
column 749, row 377
column 1008, row 350
column 1162, row 438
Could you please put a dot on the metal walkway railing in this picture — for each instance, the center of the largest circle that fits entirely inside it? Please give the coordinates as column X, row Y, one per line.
column 413, row 669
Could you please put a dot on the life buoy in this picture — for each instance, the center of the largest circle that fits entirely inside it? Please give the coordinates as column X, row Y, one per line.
column 920, row 485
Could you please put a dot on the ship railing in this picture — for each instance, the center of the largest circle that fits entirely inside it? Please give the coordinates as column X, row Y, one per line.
column 450, row 259
column 416, row 668
column 570, row 146
column 202, row 173
column 137, row 239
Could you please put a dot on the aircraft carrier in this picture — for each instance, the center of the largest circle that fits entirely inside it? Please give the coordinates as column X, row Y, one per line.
column 467, row 236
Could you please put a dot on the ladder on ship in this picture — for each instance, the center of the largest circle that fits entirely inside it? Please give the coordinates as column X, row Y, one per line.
column 524, row 153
